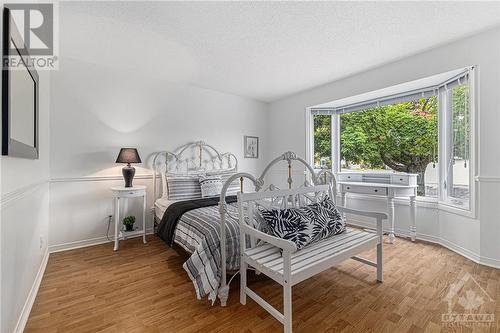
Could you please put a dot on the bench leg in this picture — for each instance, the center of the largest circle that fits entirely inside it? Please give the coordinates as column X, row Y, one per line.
column 243, row 281
column 287, row 306
column 379, row 262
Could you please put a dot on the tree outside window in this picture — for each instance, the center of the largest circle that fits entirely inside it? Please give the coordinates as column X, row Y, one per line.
column 402, row 137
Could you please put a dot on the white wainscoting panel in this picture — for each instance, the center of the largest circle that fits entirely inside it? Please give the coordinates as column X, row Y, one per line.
column 24, row 220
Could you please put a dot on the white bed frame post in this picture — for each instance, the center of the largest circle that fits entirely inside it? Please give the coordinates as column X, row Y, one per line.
column 243, row 264
column 223, row 291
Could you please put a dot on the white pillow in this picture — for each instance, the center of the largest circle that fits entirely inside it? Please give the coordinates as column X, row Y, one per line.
column 211, row 186
column 233, row 188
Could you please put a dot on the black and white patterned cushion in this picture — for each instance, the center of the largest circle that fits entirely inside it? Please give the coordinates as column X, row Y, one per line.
column 327, row 220
column 211, row 186
column 305, row 225
column 292, row 224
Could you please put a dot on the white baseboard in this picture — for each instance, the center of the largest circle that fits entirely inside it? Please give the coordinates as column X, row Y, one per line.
column 491, row 262
column 495, row 263
column 25, row 313
column 87, row 242
column 460, row 250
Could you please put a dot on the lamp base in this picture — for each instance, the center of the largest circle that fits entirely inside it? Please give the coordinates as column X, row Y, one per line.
column 128, row 173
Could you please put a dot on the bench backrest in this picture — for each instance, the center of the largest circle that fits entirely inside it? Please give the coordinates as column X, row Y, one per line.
column 277, row 199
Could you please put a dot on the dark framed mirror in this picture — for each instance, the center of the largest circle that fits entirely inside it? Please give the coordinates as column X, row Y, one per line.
column 19, row 94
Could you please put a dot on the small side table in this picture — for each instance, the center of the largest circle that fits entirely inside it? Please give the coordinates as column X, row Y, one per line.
column 120, row 193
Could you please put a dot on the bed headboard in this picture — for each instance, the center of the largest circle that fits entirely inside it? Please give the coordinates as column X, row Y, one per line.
column 193, row 158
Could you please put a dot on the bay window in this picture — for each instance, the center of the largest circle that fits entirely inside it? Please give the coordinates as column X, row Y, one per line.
column 423, row 127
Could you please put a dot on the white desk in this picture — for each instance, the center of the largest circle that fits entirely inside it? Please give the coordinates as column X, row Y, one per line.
column 391, row 185
column 125, row 193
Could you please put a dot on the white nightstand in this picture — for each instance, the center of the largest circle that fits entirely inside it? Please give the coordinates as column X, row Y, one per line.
column 120, row 193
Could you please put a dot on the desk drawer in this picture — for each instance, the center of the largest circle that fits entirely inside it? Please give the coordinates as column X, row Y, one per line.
column 365, row 189
column 129, row 194
column 346, row 177
column 400, row 179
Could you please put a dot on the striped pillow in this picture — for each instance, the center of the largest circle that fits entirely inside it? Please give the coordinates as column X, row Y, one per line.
column 235, row 185
column 183, row 188
column 211, row 186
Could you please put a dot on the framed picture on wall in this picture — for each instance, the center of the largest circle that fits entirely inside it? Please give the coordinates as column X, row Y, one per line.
column 251, row 147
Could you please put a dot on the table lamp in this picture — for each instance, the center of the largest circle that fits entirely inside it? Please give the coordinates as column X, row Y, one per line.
column 128, row 155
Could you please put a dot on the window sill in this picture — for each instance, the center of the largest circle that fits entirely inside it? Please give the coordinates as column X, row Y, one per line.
column 451, row 208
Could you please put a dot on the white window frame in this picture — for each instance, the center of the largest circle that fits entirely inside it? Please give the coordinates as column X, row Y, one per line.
column 443, row 201
column 445, row 144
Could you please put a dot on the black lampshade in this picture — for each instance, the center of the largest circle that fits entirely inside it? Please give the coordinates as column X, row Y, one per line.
column 128, row 155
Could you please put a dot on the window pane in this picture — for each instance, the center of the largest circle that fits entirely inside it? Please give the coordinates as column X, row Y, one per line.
column 401, row 137
column 459, row 174
column 322, row 141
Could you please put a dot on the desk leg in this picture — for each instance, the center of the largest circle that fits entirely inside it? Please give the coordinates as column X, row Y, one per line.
column 117, row 221
column 413, row 218
column 390, row 212
column 343, row 203
column 144, row 219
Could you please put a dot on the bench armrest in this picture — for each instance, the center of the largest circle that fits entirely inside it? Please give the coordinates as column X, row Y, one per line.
column 379, row 217
column 283, row 244
column 375, row 215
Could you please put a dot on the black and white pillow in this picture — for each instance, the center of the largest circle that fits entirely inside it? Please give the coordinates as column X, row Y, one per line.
column 292, row 224
column 305, row 225
column 211, row 186
column 327, row 220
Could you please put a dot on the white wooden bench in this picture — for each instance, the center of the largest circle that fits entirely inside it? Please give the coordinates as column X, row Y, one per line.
column 279, row 259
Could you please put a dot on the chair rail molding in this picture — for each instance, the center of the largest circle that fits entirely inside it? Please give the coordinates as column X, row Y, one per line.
column 487, row 179
column 18, row 194
column 96, row 178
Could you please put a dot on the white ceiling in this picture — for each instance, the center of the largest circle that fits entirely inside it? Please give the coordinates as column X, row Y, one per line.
column 262, row 50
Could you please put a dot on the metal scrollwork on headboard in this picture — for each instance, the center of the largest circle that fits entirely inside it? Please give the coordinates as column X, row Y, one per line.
column 191, row 159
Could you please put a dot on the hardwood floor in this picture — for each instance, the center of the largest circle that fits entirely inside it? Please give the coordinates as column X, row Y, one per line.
column 143, row 288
